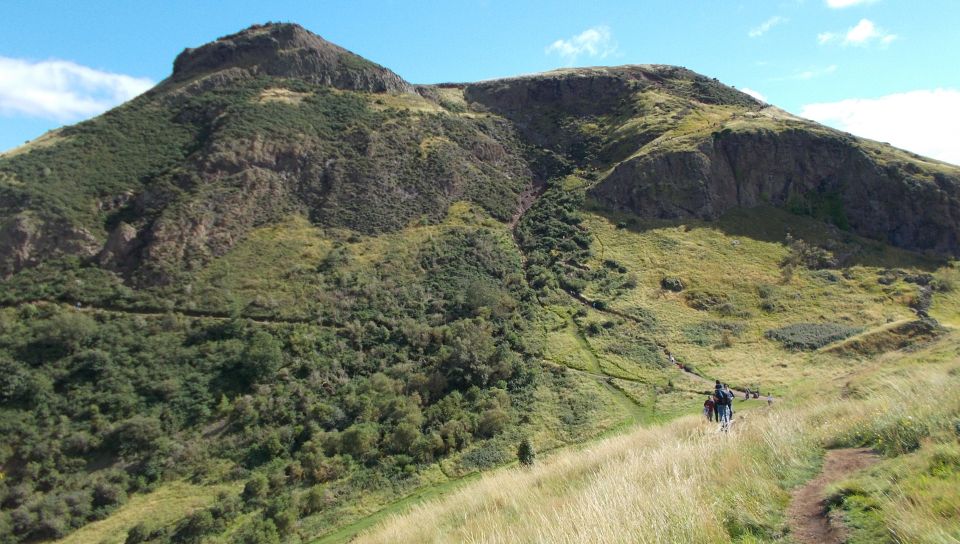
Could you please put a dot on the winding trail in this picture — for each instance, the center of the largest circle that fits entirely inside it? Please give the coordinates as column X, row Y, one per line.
column 592, row 305
column 154, row 312
column 807, row 513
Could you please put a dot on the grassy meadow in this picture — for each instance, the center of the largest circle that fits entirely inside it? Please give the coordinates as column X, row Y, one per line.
column 686, row 482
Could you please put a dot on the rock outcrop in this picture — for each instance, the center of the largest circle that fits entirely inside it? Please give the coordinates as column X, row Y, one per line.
column 274, row 121
column 26, row 240
column 902, row 203
column 286, row 50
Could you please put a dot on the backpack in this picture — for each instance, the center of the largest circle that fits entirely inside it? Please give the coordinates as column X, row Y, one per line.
column 722, row 398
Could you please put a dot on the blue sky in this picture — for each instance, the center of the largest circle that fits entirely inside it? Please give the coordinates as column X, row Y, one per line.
column 886, row 69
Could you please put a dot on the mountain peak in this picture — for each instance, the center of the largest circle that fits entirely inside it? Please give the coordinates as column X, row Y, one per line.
column 287, row 50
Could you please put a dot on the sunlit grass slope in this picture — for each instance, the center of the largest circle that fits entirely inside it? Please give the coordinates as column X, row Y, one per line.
column 686, row 482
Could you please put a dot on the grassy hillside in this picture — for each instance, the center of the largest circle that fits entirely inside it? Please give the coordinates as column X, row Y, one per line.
column 319, row 363
column 687, row 482
column 286, row 295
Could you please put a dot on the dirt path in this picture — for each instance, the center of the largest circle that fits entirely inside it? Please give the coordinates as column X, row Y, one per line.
column 154, row 312
column 697, row 377
column 807, row 513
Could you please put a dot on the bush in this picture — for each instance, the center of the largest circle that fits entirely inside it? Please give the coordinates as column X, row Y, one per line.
column 672, row 284
column 256, row 487
column 807, row 255
column 709, row 333
column 137, row 534
column 137, row 435
column 492, row 421
column 525, row 453
column 705, row 300
column 810, row 336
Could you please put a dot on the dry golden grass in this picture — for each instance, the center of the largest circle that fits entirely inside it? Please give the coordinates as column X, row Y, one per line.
column 685, row 481
column 726, row 257
column 171, row 502
column 286, row 96
column 48, row 139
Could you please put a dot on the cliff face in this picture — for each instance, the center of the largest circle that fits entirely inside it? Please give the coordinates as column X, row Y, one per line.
column 902, row 203
column 677, row 145
column 274, row 121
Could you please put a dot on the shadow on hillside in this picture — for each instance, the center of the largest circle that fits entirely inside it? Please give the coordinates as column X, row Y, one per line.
column 769, row 224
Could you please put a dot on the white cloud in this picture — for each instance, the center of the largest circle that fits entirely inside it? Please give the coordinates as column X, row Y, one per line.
column 765, row 26
column 840, row 4
column 826, row 37
column 863, row 33
column 922, row 121
column 753, row 93
column 811, row 73
column 595, row 42
column 62, row 90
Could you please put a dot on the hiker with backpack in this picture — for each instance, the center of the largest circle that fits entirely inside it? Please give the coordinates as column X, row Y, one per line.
column 722, row 404
column 730, row 397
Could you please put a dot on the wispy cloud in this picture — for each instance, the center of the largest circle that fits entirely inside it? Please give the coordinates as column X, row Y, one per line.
column 595, row 42
column 62, row 90
column 923, row 121
column 863, row 33
column 753, row 93
column 840, row 4
column 765, row 26
column 809, row 73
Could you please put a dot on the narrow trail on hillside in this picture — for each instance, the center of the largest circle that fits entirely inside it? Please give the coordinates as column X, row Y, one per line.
column 807, row 513
column 697, row 377
column 154, row 312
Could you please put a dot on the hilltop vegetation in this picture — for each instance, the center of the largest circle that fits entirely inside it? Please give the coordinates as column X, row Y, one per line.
column 286, row 293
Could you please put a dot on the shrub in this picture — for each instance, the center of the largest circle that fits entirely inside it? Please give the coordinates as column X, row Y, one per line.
column 705, row 300
column 807, row 255
column 525, row 452
column 708, row 333
column 810, row 336
column 137, row 435
column 492, row 421
column 672, row 284
column 137, row 534
column 256, row 487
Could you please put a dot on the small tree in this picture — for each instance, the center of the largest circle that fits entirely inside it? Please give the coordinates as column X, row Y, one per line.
column 525, row 453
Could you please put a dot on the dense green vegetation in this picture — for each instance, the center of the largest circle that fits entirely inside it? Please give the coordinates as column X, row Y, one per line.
column 811, row 335
column 402, row 377
column 318, row 305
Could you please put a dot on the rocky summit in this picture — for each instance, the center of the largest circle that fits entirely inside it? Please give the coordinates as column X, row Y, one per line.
column 285, row 50
column 285, row 293
column 661, row 141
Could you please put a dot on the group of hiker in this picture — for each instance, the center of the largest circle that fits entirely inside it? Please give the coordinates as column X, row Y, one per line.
column 719, row 405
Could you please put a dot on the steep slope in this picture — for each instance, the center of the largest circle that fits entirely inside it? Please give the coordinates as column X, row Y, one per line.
column 314, row 290
column 254, row 126
column 672, row 144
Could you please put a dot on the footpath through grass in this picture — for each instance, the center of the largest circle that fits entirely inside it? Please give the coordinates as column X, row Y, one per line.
column 685, row 482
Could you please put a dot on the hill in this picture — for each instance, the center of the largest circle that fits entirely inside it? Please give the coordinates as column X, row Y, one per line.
column 286, row 292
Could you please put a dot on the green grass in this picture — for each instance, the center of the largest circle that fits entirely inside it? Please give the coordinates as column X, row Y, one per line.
column 166, row 505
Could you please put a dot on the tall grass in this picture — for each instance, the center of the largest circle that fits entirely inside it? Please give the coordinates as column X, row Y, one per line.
column 686, row 482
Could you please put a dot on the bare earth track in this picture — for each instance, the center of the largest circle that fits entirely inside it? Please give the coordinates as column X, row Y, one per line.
column 807, row 513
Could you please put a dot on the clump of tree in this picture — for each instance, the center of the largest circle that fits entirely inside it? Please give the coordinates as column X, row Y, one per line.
column 526, row 455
